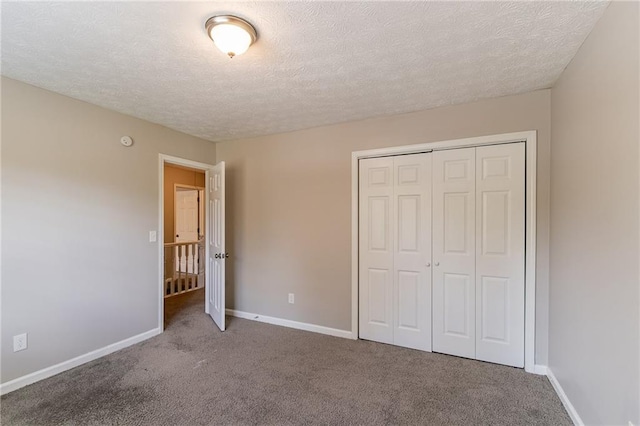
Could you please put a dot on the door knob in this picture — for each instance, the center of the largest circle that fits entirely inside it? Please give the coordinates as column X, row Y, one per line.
column 437, row 263
column 428, row 264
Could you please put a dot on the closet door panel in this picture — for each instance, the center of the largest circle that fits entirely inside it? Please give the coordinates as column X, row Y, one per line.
column 454, row 247
column 412, row 251
column 376, row 273
column 500, row 228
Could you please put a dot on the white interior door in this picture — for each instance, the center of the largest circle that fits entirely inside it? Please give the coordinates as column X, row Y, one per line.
column 412, row 251
column 186, row 215
column 395, row 250
column 376, row 249
column 454, row 248
column 216, row 250
column 500, row 222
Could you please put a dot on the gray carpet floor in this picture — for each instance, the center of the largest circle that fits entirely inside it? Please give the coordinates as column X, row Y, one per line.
column 257, row 373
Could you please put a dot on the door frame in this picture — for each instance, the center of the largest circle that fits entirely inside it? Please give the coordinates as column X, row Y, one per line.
column 530, row 140
column 164, row 159
column 175, row 192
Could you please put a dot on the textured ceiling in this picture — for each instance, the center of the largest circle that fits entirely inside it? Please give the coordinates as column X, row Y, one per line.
column 315, row 63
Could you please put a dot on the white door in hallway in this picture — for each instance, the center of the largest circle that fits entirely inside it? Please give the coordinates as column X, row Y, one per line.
column 454, row 252
column 500, row 223
column 186, row 213
column 216, row 250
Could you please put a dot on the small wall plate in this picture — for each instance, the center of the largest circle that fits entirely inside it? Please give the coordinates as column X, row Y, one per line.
column 126, row 141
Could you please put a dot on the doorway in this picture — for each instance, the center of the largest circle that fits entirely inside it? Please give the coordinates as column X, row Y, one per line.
column 192, row 242
column 184, row 228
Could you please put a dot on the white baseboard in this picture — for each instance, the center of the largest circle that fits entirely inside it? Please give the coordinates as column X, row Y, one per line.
column 540, row 369
column 565, row 399
column 291, row 324
column 36, row 376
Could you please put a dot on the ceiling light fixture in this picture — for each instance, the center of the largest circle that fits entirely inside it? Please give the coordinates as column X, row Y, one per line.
column 230, row 34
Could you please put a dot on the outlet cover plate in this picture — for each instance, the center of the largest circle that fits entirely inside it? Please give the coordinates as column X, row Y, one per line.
column 20, row 342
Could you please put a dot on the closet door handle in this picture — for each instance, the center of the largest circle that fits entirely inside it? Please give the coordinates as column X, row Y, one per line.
column 428, row 264
column 437, row 263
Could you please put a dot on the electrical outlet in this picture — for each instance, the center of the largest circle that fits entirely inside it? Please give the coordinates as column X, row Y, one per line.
column 20, row 342
column 291, row 298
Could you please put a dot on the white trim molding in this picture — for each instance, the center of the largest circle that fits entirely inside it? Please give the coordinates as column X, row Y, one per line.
column 530, row 140
column 45, row 373
column 540, row 370
column 571, row 410
column 346, row 334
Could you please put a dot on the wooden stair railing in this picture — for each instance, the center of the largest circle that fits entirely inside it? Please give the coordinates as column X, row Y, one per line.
column 183, row 267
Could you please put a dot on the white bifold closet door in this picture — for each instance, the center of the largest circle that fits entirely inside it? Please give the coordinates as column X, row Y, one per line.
column 395, row 250
column 478, row 253
column 454, row 252
column 500, row 230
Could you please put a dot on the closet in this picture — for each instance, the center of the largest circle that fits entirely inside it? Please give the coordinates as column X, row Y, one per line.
column 441, row 251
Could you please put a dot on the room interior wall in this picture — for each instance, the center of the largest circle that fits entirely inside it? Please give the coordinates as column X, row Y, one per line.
column 594, row 312
column 172, row 176
column 78, row 270
column 289, row 205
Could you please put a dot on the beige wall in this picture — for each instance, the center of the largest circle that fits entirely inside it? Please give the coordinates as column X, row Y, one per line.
column 594, row 330
column 289, row 205
column 78, row 270
column 172, row 176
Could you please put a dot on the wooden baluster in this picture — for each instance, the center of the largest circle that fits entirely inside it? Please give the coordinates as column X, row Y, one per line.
column 179, row 261
column 176, row 275
column 185, row 260
column 189, row 254
column 189, row 263
column 196, row 266
column 182, row 268
column 174, row 251
column 201, row 260
column 174, row 257
column 168, row 273
column 173, row 269
column 185, row 256
column 193, row 266
column 186, row 267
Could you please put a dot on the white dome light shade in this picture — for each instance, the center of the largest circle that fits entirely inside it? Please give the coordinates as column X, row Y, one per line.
column 230, row 39
column 230, row 34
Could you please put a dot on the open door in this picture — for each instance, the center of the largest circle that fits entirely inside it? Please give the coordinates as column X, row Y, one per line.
column 216, row 252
